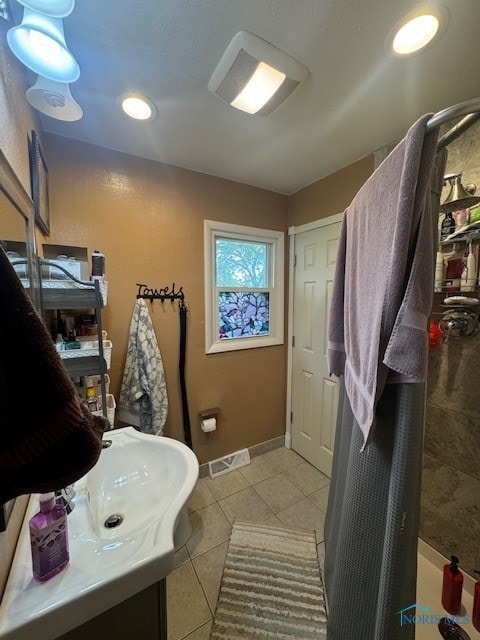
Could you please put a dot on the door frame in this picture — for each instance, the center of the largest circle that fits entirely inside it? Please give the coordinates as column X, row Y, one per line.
column 292, row 231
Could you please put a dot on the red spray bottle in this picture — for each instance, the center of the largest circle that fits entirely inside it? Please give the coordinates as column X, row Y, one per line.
column 452, row 587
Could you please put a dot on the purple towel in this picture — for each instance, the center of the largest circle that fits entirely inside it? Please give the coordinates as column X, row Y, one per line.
column 383, row 285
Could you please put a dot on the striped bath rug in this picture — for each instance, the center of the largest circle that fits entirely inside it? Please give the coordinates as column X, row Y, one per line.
column 271, row 586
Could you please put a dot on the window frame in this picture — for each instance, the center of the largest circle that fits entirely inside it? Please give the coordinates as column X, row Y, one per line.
column 276, row 283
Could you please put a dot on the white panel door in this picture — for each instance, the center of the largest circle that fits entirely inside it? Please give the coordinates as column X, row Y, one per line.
column 314, row 391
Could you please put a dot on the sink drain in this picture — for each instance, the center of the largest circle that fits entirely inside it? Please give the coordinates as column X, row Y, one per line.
column 113, row 521
column 106, row 444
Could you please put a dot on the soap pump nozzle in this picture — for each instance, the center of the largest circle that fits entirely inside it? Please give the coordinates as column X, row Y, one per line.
column 454, row 564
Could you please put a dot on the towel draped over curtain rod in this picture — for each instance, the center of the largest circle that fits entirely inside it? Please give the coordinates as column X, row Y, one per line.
column 371, row 528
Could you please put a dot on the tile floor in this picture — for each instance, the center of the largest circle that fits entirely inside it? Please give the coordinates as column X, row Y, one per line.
column 278, row 487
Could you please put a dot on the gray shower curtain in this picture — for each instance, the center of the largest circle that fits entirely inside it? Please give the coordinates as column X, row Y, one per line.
column 371, row 528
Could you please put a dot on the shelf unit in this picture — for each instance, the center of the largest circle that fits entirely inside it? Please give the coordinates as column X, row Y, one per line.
column 471, row 233
column 78, row 294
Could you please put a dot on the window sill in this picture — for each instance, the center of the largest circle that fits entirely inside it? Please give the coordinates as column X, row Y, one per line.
column 237, row 344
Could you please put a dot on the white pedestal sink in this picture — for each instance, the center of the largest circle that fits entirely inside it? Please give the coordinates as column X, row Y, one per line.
column 142, row 482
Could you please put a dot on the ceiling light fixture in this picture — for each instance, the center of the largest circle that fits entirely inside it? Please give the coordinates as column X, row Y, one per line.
column 53, row 8
column 414, row 35
column 39, row 43
column 137, row 106
column 54, row 99
column 259, row 89
column 416, row 30
column 255, row 76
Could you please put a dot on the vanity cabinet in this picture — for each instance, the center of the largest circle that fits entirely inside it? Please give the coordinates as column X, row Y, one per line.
column 144, row 616
column 74, row 294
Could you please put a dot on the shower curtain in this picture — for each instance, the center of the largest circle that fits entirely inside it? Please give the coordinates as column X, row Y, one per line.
column 371, row 527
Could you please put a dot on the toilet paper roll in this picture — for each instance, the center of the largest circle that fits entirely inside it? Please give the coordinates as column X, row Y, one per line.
column 210, row 424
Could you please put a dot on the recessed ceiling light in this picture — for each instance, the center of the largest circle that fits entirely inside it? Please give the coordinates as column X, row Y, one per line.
column 416, row 30
column 415, row 34
column 137, row 106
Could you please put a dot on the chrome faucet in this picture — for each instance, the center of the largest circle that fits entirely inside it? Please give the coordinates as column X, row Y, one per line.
column 459, row 322
column 65, row 497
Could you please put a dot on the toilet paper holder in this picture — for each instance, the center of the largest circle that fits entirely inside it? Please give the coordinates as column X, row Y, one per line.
column 209, row 413
column 208, row 419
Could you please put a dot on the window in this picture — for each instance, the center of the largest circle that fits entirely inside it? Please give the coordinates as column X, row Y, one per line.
column 243, row 287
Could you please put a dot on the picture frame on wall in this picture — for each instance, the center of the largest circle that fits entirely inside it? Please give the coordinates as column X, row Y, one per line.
column 39, row 183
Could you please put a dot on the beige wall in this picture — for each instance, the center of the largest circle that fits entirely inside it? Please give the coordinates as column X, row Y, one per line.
column 148, row 218
column 330, row 195
column 16, row 122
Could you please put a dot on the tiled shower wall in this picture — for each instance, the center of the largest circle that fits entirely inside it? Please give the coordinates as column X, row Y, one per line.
column 450, row 517
column 450, row 512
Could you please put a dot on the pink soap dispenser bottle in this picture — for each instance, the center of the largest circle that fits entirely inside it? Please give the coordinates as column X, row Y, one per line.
column 49, row 538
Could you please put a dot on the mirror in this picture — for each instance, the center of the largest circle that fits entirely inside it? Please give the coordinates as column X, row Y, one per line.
column 18, row 237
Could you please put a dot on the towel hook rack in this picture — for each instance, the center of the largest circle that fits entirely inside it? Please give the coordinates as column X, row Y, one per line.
column 163, row 293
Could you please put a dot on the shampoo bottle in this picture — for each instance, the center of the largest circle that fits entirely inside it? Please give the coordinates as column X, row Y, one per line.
column 476, row 605
column 452, row 587
column 439, row 272
column 448, row 225
column 49, row 538
column 471, row 269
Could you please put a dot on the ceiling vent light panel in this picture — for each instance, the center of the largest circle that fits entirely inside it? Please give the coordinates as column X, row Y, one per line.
column 240, row 61
column 282, row 94
column 242, row 69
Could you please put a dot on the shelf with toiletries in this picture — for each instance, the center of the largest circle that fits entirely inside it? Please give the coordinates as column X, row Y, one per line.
column 67, row 294
column 73, row 295
column 66, row 278
column 460, row 226
column 447, row 289
column 86, row 355
column 469, row 233
column 88, row 351
column 457, row 261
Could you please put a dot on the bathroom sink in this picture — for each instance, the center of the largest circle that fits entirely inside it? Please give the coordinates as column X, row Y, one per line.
column 143, row 479
column 121, row 534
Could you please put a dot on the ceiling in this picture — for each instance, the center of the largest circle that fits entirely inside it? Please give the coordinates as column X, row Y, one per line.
column 356, row 99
